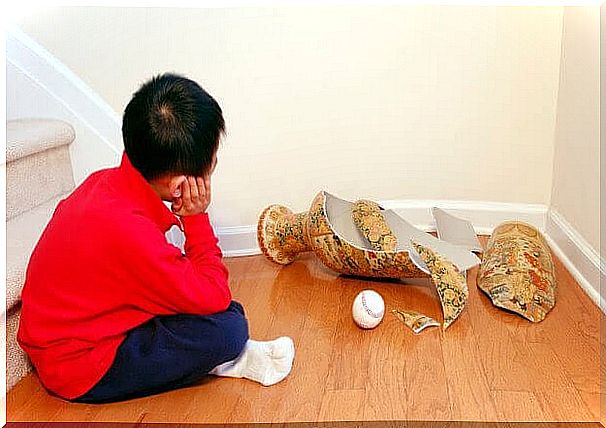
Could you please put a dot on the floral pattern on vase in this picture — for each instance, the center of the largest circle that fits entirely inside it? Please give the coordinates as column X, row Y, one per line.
column 281, row 234
column 517, row 271
column 450, row 283
column 416, row 321
column 369, row 220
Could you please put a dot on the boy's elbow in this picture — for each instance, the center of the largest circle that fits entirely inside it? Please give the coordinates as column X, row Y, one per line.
column 225, row 301
column 221, row 302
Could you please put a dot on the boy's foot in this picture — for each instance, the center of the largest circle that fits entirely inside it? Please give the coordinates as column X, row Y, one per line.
column 265, row 362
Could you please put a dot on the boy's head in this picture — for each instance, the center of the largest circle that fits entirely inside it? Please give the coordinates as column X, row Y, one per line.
column 172, row 126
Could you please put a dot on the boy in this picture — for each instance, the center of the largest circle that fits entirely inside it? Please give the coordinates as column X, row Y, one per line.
column 110, row 310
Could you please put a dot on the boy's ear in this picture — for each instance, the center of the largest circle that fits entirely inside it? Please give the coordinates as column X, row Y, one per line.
column 175, row 185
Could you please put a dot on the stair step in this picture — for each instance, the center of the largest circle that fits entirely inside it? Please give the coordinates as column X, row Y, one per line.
column 26, row 137
column 17, row 362
column 38, row 165
column 22, row 234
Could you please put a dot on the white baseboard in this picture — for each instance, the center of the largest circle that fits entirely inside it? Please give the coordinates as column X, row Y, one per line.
column 238, row 241
column 485, row 216
column 582, row 261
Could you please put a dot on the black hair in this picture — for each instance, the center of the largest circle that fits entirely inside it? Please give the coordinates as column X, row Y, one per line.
column 172, row 125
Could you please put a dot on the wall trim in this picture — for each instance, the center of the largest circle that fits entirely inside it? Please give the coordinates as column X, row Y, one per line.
column 64, row 86
column 238, row 241
column 583, row 262
column 485, row 216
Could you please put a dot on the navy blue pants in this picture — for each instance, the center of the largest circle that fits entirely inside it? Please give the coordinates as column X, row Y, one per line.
column 170, row 352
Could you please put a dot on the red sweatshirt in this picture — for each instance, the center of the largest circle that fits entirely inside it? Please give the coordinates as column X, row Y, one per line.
column 102, row 267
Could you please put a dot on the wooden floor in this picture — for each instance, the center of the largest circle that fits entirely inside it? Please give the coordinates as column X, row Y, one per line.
column 490, row 365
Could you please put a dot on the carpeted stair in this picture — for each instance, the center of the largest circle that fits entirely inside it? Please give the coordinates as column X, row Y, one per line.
column 38, row 175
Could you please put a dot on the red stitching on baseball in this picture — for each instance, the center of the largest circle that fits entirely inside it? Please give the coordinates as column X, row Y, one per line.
column 368, row 311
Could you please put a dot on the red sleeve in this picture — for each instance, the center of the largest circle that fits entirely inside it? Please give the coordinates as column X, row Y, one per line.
column 161, row 280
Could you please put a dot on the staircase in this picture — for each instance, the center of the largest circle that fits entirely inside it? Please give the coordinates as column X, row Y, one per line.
column 38, row 175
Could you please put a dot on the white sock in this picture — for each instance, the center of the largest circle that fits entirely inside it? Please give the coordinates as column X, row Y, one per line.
column 265, row 362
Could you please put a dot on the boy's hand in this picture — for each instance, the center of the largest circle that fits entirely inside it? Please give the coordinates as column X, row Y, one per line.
column 195, row 197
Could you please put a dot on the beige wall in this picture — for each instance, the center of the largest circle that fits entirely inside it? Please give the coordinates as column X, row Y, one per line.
column 364, row 101
column 576, row 177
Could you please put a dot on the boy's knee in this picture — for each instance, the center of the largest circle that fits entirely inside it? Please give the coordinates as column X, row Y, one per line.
column 236, row 307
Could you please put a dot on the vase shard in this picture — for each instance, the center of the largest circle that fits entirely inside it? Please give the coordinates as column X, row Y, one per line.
column 416, row 321
column 450, row 283
column 368, row 218
column 517, row 271
column 456, row 230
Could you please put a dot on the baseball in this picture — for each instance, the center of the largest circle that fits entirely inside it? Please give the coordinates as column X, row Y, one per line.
column 368, row 309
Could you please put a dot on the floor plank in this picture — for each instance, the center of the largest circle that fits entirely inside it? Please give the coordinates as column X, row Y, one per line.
column 518, row 406
column 342, row 405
